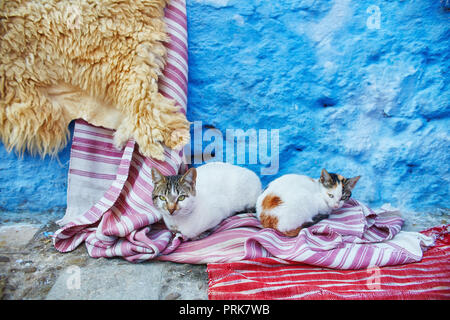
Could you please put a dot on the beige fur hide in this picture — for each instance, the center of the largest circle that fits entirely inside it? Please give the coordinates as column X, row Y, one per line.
column 95, row 60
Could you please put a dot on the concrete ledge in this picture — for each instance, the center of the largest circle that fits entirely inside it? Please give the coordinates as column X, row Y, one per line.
column 106, row 280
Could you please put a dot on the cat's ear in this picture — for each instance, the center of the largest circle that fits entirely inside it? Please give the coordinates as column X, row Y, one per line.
column 190, row 177
column 325, row 177
column 157, row 176
column 352, row 182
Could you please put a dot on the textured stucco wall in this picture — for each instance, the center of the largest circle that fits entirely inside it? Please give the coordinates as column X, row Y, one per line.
column 348, row 91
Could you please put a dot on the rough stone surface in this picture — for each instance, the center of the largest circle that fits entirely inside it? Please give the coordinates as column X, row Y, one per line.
column 35, row 270
column 32, row 264
column 120, row 280
column 347, row 93
column 16, row 236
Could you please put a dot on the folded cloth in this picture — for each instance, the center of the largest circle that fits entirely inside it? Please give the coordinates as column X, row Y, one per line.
column 353, row 237
column 272, row 278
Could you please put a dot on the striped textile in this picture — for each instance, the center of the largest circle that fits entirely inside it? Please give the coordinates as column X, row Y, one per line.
column 270, row 278
column 94, row 160
column 109, row 191
column 353, row 237
column 110, row 207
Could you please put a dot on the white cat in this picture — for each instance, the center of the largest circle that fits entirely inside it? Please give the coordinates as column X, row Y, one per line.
column 201, row 198
column 294, row 201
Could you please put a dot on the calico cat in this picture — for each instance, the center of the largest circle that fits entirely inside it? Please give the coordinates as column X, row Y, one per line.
column 294, row 201
column 200, row 199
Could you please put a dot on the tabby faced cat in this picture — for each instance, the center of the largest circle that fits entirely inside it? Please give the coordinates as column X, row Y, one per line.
column 294, row 201
column 201, row 198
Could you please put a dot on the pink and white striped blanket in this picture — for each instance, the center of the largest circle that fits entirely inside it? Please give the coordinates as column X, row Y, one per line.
column 110, row 207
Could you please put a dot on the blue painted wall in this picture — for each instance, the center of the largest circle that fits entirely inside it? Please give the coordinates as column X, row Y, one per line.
column 359, row 87
column 347, row 94
column 32, row 185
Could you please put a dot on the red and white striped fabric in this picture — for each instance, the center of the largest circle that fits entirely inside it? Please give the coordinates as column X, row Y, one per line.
column 110, row 207
column 270, row 278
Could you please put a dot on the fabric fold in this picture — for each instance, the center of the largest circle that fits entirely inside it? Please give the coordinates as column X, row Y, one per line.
column 273, row 278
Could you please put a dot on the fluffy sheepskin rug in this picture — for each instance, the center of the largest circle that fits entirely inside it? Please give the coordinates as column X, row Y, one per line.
column 96, row 60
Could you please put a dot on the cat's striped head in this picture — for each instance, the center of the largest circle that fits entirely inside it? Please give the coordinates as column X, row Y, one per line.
column 336, row 188
column 174, row 195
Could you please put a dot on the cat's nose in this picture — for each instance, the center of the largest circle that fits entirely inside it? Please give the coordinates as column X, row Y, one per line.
column 171, row 208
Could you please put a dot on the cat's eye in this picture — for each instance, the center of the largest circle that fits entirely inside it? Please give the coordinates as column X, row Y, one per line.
column 181, row 198
column 162, row 198
column 330, row 195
